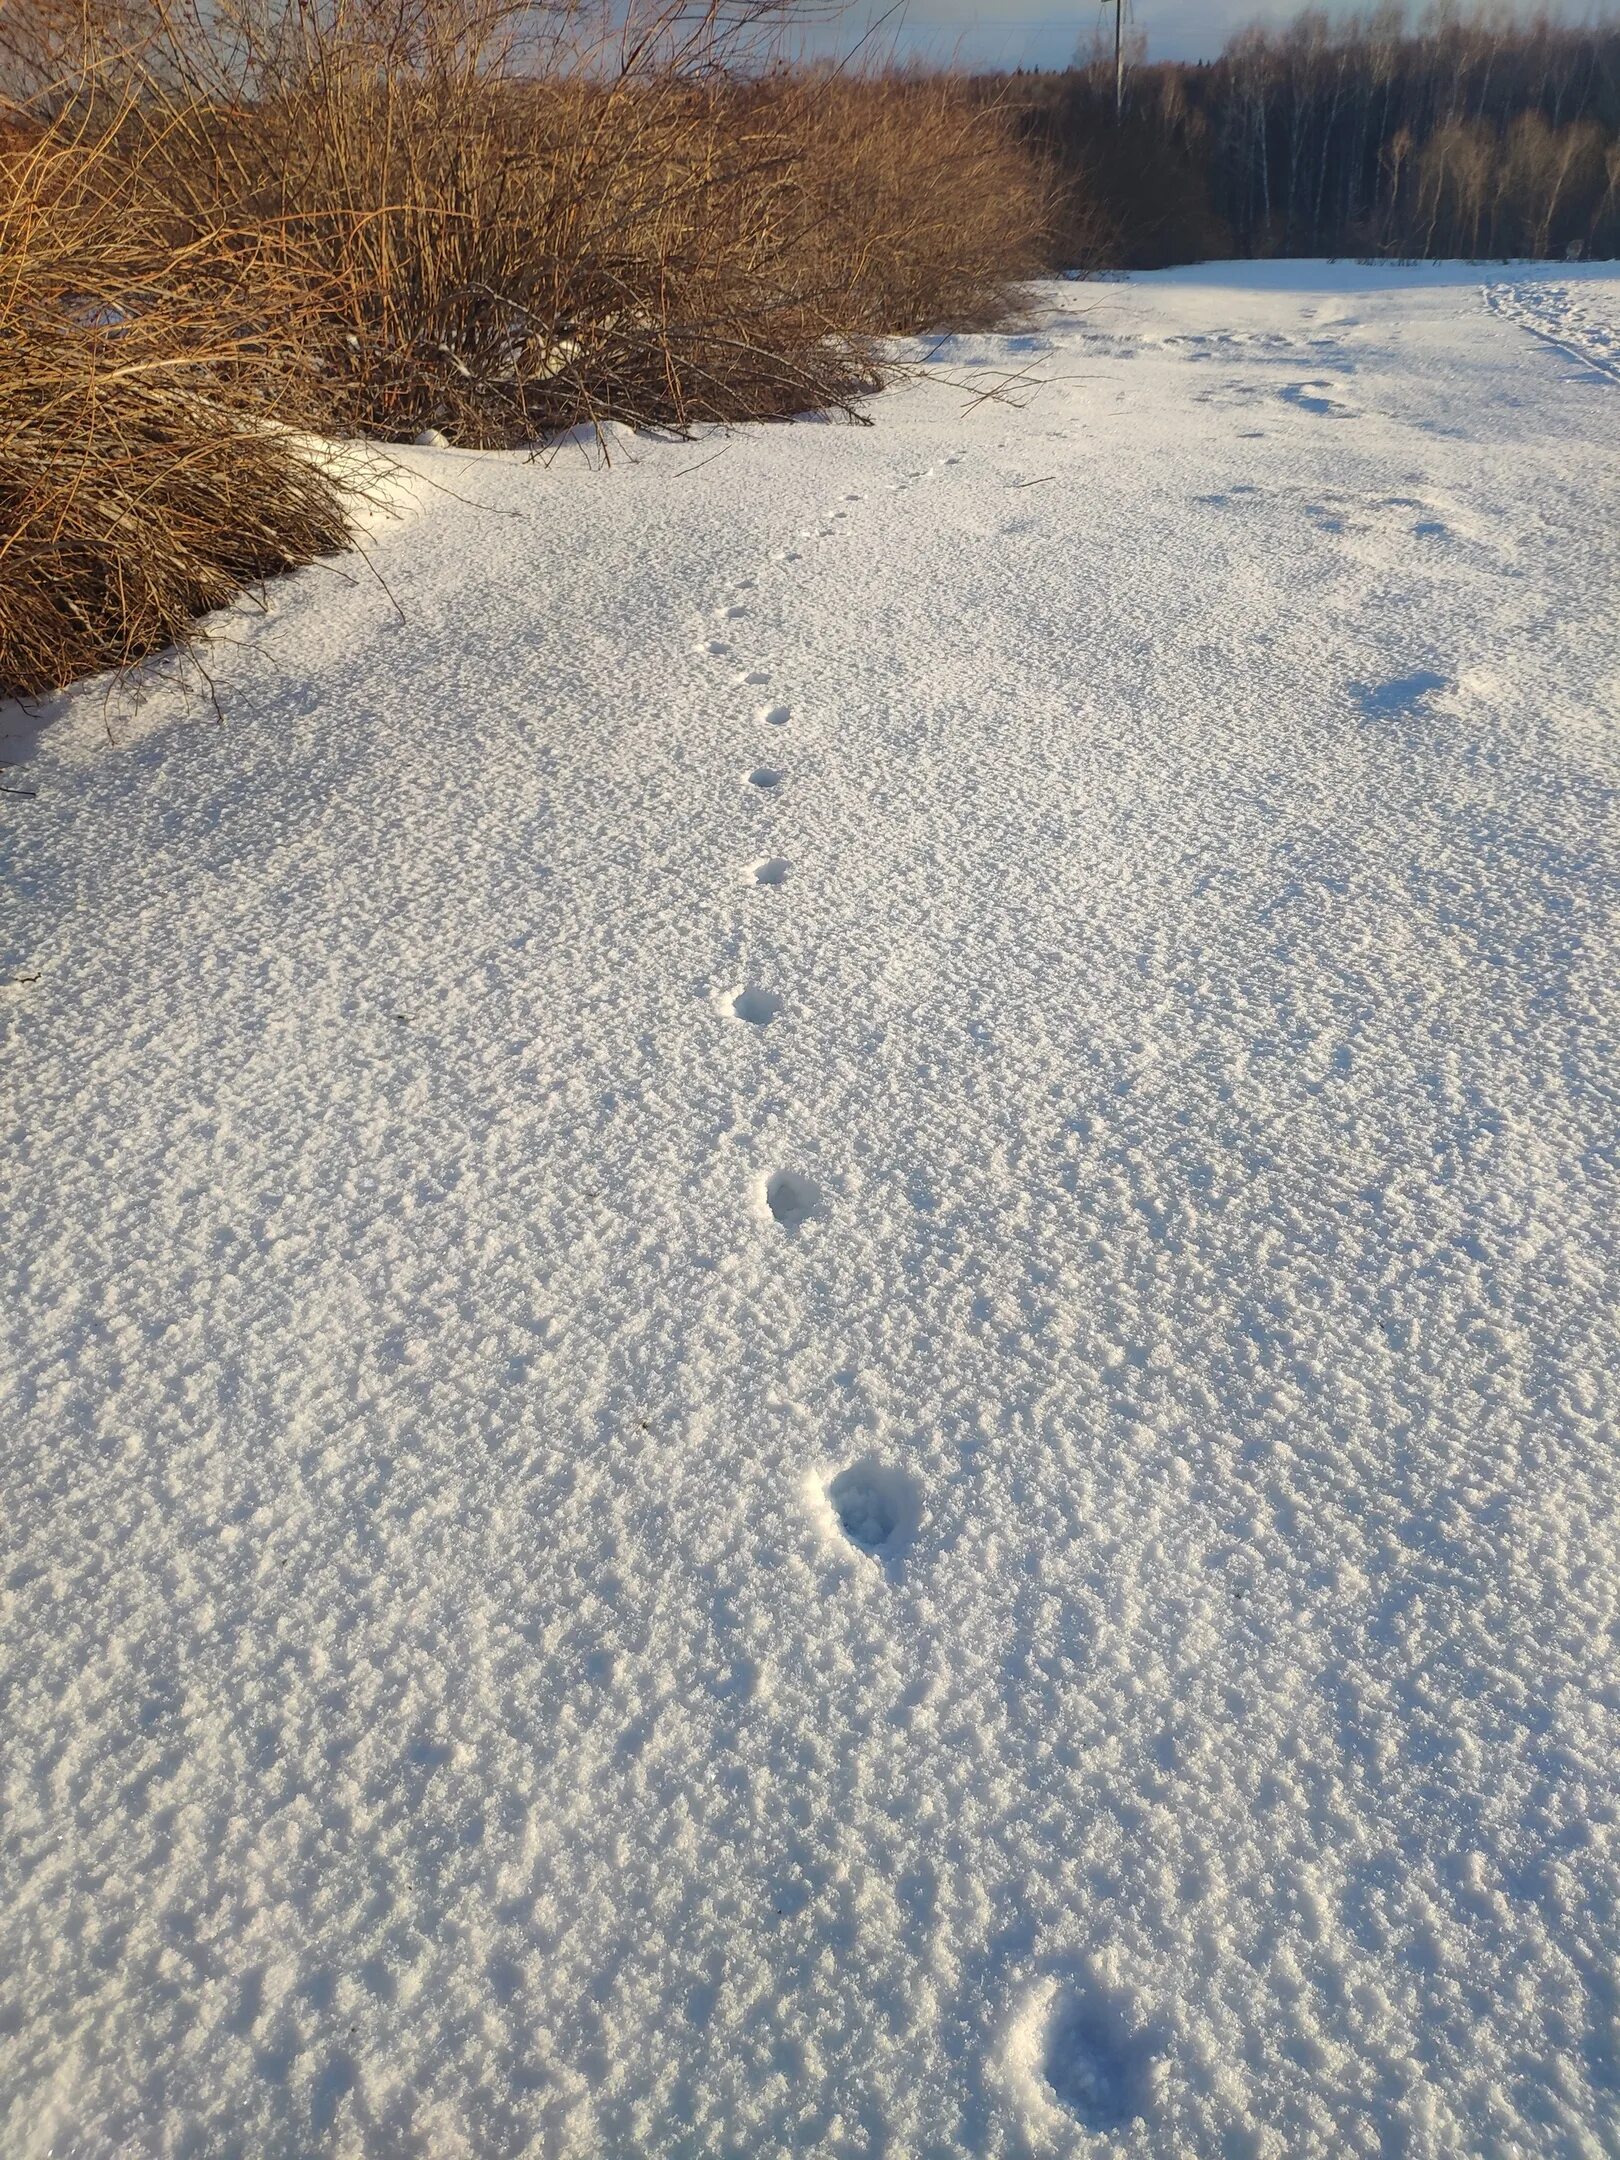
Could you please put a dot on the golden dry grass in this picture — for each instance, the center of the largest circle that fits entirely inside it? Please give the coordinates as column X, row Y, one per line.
column 374, row 218
column 506, row 256
column 143, row 477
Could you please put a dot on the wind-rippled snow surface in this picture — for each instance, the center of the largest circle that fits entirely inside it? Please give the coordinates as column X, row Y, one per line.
column 810, row 1300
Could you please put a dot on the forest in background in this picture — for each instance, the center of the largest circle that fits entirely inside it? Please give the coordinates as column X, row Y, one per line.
column 1466, row 135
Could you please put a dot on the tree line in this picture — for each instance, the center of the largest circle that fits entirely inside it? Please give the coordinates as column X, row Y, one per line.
column 1466, row 135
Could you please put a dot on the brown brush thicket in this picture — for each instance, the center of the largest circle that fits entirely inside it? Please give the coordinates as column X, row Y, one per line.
column 374, row 217
column 144, row 477
column 516, row 237
column 502, row 253
column 1470, row 135
column 922, row 207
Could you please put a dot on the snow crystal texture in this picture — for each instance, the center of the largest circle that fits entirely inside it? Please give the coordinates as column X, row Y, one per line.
column 810, row 1296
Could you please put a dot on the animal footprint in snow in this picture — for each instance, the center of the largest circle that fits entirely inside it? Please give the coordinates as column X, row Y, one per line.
column 1401, row 696
column 875, row 1506
column 1098, row 2063
column 765, row 776
column 774, row 715
column 772, row 871
column 758, row 1007
column 1080, row 2046
column 1317, row 397
column 790, row 1198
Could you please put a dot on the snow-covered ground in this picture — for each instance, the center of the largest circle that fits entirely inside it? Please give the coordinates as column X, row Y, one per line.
column 810, row 1283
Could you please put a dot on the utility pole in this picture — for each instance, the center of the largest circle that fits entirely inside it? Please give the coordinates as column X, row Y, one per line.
column 1119, row 57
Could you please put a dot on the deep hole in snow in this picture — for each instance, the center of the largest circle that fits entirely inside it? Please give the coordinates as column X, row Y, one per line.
column 765, row 776
column 791, row 1198
column 1097, row 2065
column 772, row 871
column 864, row 1514
column 876, row 1505
column 758, row 1007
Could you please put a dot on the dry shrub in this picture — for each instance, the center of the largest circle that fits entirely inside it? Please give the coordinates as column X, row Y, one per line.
column 506, row 240
column 143, row 477
column 378, row 216
column 520, row 240
column 926, row 206
column 510, row 258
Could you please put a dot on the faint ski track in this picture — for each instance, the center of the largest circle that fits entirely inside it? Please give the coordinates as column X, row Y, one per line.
column 1551, row 313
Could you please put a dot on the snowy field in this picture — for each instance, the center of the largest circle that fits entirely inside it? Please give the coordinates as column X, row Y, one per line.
column 810, row 1283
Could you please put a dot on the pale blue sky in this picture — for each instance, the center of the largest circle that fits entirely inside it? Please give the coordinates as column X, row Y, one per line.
column 1045, row 33
column 1040, row 33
